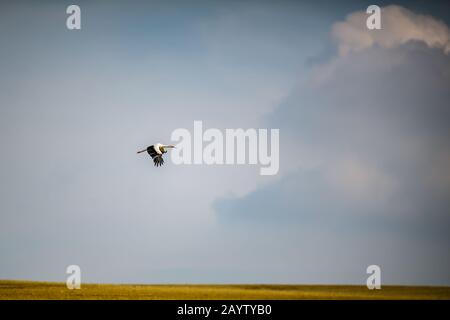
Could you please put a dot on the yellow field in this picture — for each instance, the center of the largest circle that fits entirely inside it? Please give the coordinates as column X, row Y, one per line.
column 49, row 290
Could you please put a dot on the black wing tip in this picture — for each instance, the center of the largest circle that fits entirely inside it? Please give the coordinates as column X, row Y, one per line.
column 159, row 161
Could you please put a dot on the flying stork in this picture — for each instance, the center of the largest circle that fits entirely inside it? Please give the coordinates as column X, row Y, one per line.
column 156, row 151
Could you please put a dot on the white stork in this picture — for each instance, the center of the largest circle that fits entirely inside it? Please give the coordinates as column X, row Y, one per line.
column 156, row 151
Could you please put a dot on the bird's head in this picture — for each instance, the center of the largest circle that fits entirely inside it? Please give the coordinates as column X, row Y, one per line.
column 164, row 147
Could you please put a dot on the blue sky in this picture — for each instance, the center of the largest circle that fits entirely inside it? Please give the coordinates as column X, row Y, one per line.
column 364, row 175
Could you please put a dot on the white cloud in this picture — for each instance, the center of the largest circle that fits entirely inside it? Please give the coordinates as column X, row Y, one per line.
column 365, row 131
column 399, row 26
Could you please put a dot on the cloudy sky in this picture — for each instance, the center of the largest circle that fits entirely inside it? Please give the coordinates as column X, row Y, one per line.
column 364, row 128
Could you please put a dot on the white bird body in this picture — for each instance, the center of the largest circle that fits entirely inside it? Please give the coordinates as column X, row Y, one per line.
column 157, row 148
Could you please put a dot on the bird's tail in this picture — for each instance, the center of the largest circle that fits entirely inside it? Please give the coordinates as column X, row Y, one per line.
column 142, row 151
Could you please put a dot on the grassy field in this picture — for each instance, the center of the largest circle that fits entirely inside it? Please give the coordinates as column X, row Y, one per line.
column 51, row 290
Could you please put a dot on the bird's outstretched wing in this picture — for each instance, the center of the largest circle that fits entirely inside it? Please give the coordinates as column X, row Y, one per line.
column 158, row 160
